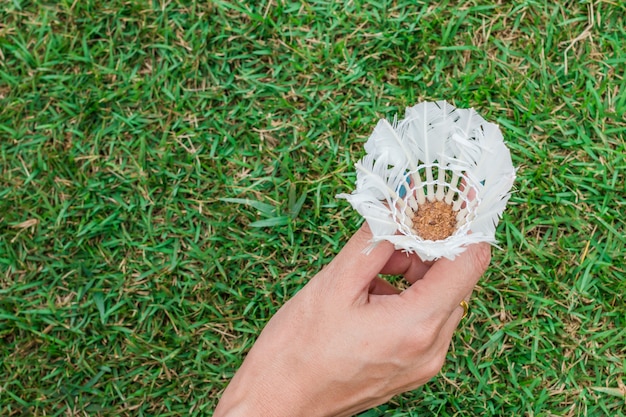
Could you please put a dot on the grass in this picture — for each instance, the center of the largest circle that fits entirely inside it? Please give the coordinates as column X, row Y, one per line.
column 168, row 173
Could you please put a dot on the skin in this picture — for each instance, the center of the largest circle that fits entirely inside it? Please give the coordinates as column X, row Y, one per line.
column 349, row 341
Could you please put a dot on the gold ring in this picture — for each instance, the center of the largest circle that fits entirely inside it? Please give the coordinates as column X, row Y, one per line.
column 465, row 308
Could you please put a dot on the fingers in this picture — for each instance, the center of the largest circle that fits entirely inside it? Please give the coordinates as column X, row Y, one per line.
column 379, row 286
column 450, row 326
column 411, row 266
column 353, row 267
column 447, row 282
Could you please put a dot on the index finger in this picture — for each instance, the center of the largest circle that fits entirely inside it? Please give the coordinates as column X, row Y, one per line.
column 447, row 282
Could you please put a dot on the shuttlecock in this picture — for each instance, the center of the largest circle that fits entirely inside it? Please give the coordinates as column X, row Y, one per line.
column 435, row 181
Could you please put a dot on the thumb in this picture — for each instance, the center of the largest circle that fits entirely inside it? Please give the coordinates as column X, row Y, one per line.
column 355, row 266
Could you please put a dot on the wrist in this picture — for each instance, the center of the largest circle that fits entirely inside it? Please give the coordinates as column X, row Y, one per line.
column 250, row 407
column 260, row 398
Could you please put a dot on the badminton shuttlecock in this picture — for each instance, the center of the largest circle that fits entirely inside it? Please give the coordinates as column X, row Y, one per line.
column 435, row 181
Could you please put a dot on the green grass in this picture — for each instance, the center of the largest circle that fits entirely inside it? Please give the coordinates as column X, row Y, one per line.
column 168, row 173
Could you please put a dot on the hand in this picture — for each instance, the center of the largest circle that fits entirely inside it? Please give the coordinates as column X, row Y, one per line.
column 349, row 340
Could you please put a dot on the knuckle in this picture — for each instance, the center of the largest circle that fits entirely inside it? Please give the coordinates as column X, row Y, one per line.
column 422, row 341
column 435, row 365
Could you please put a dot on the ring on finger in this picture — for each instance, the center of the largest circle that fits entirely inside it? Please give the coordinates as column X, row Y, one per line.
column 465, row 307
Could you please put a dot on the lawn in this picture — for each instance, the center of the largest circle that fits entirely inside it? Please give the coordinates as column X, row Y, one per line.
column 168, row 173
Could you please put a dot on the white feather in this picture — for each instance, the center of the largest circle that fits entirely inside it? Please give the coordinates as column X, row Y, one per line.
column 384, row 143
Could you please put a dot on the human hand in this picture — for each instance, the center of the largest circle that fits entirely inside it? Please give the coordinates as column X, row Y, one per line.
column 349, row 340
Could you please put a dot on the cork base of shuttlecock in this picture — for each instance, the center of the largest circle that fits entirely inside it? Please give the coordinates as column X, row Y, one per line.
column 435, row 204
column 434, row 220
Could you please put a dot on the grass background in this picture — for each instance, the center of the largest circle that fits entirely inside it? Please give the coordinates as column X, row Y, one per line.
column 167, row 180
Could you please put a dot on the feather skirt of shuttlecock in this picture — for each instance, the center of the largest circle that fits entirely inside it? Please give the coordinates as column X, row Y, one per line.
column 437, row 153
